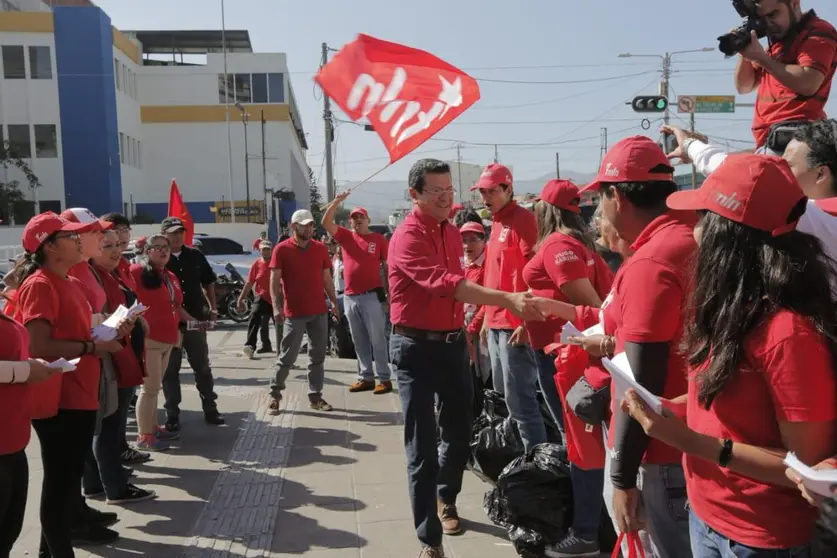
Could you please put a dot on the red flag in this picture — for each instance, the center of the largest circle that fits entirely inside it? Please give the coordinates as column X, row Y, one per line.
column 178, row 209
column 406, row 94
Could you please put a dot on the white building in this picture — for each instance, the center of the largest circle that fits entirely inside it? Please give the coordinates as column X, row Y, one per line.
column 106, row 118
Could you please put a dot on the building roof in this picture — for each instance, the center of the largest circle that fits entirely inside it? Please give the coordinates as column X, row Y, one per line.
column 192, row 41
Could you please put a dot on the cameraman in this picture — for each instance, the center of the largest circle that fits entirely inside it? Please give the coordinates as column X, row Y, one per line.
column 794, row 74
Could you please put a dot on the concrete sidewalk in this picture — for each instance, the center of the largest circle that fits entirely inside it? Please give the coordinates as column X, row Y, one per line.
column 322, row 485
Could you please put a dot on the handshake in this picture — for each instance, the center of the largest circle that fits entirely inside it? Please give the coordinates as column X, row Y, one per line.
column 532, row 308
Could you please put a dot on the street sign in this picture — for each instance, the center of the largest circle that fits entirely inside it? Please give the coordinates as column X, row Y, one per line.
column 685, row 103
column 706, row 103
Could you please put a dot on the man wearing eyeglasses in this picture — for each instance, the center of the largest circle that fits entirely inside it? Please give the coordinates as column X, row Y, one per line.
column 364, row 255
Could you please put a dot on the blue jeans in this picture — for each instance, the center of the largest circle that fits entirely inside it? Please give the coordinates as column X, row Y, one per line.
column 436, row 459
column 663, row 505
column 368, row 326
column 588, row 485
column 708, row 543
column 103, row 469
column 546, row 378
column 515, row 374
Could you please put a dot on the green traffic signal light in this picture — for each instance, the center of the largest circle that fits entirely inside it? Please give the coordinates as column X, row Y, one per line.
column 655, row 103
column 661, row 104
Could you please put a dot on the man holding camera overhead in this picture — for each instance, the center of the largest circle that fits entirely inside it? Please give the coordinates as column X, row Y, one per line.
column 793, row 76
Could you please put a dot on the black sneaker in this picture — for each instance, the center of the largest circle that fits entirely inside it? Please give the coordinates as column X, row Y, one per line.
column 93, row 495
column 133, row 494
column 129, row 472
column 93, row 535
column 100, row 518
column 173, row 424
column 264, row 350
column 215, row 419
column 133, row 456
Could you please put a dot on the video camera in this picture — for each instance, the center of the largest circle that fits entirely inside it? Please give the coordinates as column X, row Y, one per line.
column 737, row 40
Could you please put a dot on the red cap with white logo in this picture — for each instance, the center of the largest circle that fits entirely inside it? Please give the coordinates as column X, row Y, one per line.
column 472, row 227
column 44, row 225
column 85, row 216
column 493, row 175
column 563, row 194
column 634, row 159
column 758, row 191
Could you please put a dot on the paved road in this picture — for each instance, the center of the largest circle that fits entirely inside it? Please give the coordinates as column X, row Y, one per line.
column 321, row 485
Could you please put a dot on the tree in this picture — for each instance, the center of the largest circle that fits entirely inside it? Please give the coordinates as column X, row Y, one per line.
column 10, row 194
column 316, row 198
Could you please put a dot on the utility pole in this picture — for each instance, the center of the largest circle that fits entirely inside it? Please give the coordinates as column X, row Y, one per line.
column 329, row 136
column 694, row 168
column 557, row 165
column 603, row 148
column 244, row 118
column 227, row 111
column 265, row 214
column 459, row 169
column 496, row 155
column 664, row 86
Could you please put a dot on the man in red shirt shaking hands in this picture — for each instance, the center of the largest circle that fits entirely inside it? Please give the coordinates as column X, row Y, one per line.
column 427, row 347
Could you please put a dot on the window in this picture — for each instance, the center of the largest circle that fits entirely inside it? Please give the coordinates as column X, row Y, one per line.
column 14, row 66
column 40, row 62
column 259, row 88
column 134, row 152
column 124, row 78
column 46, row 144
column 276, row 87
column 118, row 74
column 139, row 154
column 242, row 88
column 19, row 141
column 226, row 89
column 136, row 88
column 122, row 148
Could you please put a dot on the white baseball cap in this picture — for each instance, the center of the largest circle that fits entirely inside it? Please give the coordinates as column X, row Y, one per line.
column 302, row 217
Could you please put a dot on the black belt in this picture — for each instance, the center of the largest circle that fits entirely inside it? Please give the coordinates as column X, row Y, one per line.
column 424, row 335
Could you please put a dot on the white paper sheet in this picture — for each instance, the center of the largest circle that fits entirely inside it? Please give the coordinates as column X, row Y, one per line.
column 569, row 330
column 64, row 365
column 819, row 481
column 623, row 379
column 107, row 330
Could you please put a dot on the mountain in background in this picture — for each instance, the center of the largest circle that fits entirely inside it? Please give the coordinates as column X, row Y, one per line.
column 382, row 197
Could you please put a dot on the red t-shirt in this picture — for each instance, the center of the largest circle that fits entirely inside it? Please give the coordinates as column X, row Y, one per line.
column 788, row 377
column 646, row 305
column 257, row 243
column 815, row 46
column 14, row 398
column 260, row 277
column 164, row 302
column 61, row 302
column 514, row 234
column 425, row 267
column 123, row 269
column 303, row 286
column 90, row 285
column 559, row 260
column 362, row 257
column 475, row 273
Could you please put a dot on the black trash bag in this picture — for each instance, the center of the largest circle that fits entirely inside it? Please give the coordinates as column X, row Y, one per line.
column 533, row 499
column 553, row 432
column 495, row 439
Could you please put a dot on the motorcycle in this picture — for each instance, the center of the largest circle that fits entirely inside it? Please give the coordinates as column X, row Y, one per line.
column 227, row 291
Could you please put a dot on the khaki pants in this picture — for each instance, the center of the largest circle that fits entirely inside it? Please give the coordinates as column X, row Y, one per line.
column 156, row 360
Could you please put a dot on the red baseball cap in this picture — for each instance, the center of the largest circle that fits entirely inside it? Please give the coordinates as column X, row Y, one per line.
column 472, row 227
column 358, row 211
column 85, row 216
column 41, row 226
column 758, row 191
column 632, row 160
column 493, row 175
column 562, row 194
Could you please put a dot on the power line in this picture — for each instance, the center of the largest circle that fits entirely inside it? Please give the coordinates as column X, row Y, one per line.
column 565, row 82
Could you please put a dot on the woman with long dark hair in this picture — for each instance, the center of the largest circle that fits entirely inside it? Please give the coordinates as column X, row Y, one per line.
column 159, row 290
column 761, row 344
column 53, row 308
column 566, row 267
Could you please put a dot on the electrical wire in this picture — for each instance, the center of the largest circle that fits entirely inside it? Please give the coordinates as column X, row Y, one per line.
column 565, row 82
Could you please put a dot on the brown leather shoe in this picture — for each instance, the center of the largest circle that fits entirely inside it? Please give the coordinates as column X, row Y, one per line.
column 361, row 385
column 450, row 519
column 383, row 387
column 432, row 552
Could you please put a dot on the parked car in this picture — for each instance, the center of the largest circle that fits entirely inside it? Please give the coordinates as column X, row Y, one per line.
column 220, row 251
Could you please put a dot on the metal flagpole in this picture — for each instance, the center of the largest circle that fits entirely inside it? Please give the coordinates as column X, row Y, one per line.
column 227, row 111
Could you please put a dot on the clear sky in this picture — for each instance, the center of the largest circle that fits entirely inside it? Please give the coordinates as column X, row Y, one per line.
column 526, row 41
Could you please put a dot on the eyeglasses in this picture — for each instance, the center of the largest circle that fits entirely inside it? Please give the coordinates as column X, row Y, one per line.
column 71, row 236
column 159, row 248
column 438, row 192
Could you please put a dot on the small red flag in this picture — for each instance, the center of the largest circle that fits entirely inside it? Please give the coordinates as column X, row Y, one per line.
column 406, row 94
column 178, row 209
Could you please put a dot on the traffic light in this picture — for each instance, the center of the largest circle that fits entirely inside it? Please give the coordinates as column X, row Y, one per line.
column 649, row 104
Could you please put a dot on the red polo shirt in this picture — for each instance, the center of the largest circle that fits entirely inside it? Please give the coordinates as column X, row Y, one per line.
column 164, row 302
column 90, row 285
column 475, row 273
column 61, row 302
column 14, row 398
column 559, row 260
column 123, row 269
column 425, row 267
column 646, row 305
column 789, row 377
column 514, row 234
column 362, row 257
column 302, row 276
column 260, row 277
column 815, row 46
